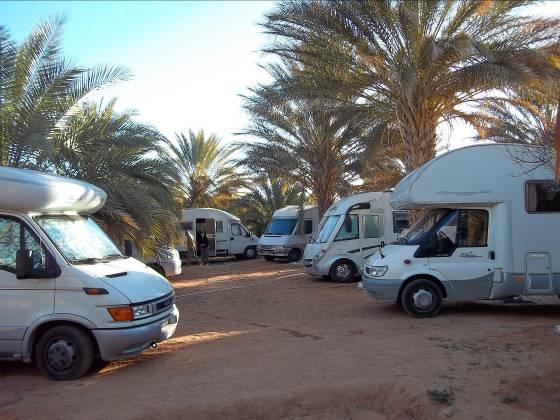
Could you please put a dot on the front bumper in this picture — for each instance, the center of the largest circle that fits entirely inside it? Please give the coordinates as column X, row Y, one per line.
column 382, row 288
column 118, row 343
column 278, row 252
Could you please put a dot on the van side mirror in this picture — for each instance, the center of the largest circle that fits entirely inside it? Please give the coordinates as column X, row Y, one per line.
column 24, row 263
column 127, row 247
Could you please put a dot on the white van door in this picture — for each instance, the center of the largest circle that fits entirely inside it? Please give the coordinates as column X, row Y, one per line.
column 22, row 301
column 237, row 239
column 464, row 252
column 372, row 232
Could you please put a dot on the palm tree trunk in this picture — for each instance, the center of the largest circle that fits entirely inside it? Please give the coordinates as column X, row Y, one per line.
column 420, row 140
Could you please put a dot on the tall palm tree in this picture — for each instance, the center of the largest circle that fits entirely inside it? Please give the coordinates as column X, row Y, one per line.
column 207, row 175
column 39, row 88
column 113, row 151
column 413, row 64
column 526, row 116
column 311, row 141
column 265, row 194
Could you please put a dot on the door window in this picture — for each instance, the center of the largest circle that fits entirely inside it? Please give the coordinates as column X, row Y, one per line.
column 354, row 233
column 236, row 229
column 308, row 226
column 372, row 227
column 14, row 235
column 219, row 226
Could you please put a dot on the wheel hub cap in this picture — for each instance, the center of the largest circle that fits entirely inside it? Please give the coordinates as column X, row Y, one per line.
column 343, row 271
column 422, row 299
column 61, row 355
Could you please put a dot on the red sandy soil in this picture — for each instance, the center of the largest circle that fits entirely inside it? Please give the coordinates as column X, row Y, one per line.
column 263, row 340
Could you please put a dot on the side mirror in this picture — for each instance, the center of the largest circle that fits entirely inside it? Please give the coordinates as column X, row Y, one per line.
column 248, row 234
column 348, row 224
column 24, row 263
column 127, row 248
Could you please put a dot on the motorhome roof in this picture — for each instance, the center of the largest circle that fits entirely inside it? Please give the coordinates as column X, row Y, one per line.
column 208, row 210
column 37, row 192
column 479, row 174
column 340, row 206
column 292, row 211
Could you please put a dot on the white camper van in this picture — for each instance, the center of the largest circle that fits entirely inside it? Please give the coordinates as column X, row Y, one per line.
column 66, row 291
column 491, row 231
column 350, row 231
column 226, row 235
column 281, row 238
column 166, row 261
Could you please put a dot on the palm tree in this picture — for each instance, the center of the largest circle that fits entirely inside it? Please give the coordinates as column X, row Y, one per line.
column 207, row 175
column 310, row 142
column 526, row 116
column 266, row 194
column 123, row 157
column 38, row 90
column 413, row 64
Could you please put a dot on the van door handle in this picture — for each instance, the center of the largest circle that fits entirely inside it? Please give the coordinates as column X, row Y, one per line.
column 492, row 255
column 231, row 238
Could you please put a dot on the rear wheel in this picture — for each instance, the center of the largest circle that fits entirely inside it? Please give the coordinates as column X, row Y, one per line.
column 64, row 353
column 250, row 253
column 342, row 271
column 294, row 255
column 422, row 298
column 269, row 257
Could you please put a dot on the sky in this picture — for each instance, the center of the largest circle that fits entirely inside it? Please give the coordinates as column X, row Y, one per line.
column 191, row 60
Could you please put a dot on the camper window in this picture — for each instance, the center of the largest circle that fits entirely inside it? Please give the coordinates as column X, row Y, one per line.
column 542, row 197
column 187, row 226
column 14, row 236
column 400, row 221
column 308, row 226
column 371, row 226
column 345, row 235
column 219, row 226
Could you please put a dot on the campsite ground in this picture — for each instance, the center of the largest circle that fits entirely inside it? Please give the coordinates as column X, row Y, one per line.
column 263, row 340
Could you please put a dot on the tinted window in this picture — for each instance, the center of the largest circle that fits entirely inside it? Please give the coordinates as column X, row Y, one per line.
column 219, row 226
column 236, row 229
column 400, row 221
column 281, row 226
column 11, row 241
column 542, row 197
column 473, row 228
column 308, row 226
column 372, row 226
column 344, row 235
column 187, row 226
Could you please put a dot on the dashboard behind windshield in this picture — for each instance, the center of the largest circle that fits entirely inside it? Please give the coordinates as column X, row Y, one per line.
column 418, row 231
column 78, row 238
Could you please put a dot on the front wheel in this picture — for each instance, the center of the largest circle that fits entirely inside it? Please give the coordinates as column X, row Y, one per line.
column 422, row 298
column 64, row 353
column 250, row 253
column 342, row 271
column 294, row 255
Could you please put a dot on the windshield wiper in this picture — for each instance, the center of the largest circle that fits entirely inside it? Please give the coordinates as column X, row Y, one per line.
column 92, row 260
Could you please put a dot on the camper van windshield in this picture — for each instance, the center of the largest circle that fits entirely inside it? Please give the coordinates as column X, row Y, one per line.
column 326, row 227
column 79, row 239
column 422, row 227
column 281, row 227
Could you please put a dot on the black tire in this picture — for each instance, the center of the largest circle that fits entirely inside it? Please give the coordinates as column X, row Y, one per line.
column 294, row 255
column 250, row 253
column 422, row 298
column 158, row 269
column 342, row 271
column 269, row 257
column 64, row 353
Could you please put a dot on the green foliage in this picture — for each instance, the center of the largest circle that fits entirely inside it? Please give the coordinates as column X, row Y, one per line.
column 444, row 396
column 412, row 65
column 206, row 173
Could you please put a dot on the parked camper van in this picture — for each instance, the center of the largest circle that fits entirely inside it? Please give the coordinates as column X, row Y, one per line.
column 491, row 231
column 66, row 291
column 226, row 234
column 282, row 237
column 350, row 231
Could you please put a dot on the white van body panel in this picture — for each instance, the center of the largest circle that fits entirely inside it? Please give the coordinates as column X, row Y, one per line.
column 280, row 245
column 226, row 239
column 29, row 305
column 522, row 255
column 319, row 257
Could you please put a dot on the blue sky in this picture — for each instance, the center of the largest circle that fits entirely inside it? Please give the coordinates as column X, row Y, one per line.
column 190, row 60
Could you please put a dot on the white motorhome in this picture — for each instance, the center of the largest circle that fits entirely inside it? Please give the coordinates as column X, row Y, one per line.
column 350, row 231
column 166, row 261
column 491, row 231
column 282, row 238
column 66, row 291
column 226, row 235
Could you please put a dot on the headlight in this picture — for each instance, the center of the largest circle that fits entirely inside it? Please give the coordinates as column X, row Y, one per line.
column 375, row 270
column 141, row 311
